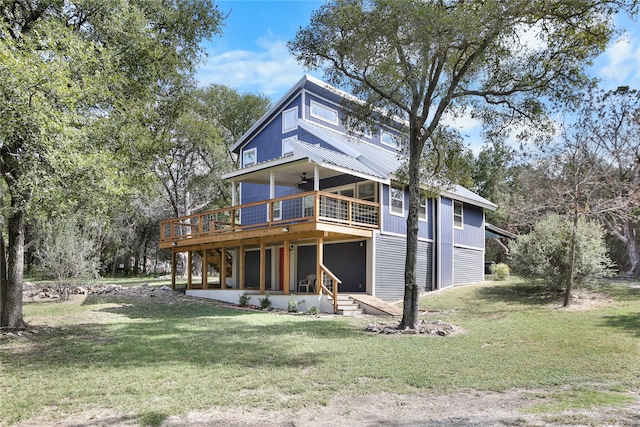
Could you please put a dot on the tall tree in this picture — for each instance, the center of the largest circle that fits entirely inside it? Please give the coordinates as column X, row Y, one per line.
column 421, row 60
column 612, row 120
column 76, row 79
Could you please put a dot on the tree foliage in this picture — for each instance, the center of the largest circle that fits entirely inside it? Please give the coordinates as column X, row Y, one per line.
column 77, row 82
column 545, row 253
column 424, row 61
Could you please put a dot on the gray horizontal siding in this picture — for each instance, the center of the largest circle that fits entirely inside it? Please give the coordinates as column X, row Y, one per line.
column 390, row 258
column 468, row 265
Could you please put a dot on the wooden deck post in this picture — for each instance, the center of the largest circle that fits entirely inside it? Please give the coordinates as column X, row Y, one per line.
column 173, row 270
column 241, row 267
column 223, row 268
column 205, row 270
column 320, row 261
column 263, row 267
column 286, row 274
column 189, row 273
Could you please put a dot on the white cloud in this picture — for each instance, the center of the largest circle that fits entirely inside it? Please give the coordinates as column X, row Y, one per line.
column 270, row 69
column 621, row 62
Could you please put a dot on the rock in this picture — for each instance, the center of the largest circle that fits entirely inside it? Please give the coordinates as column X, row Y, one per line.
column 165, row 288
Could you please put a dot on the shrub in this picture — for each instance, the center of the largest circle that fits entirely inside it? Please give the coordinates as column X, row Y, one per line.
column 292, row 305
column 313, row 310
column 500, row 271
column 544, row 253
column 243, row 301
column 265, row 302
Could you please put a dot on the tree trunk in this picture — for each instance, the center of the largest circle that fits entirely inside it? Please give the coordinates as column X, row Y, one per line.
column 411, row 294
column 572, row 261
column 632, row 249
column 11, row 304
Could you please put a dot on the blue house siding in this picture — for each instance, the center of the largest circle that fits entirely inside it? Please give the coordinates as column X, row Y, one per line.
column 472, row 233
column 445, row 247
column 398, row 224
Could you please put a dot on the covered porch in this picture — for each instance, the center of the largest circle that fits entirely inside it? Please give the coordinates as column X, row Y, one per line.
column 251, row 246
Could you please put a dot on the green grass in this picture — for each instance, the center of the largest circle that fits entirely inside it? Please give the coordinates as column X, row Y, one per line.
column 155, row 360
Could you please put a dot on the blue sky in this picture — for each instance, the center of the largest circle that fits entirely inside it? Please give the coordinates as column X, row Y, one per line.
column 251, row 54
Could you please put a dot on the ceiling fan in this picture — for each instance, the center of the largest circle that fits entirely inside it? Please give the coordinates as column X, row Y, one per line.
column 303, row 179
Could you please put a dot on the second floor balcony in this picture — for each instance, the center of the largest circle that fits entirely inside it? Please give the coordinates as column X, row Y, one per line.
column 271, row 217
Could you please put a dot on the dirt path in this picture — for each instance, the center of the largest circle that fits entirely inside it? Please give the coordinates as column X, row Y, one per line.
column 424, row 410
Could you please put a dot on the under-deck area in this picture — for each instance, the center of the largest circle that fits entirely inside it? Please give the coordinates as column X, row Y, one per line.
column 253, row 246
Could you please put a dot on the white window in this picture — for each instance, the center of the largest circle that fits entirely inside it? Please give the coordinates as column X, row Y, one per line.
column 249, row 157
column 347, row 191
column 422, row 209
column 457, row 214
column 389, row 139
column 324, row 113
column 364, row 131
column 397, row 201
column 277, row 210
column 287, row 148
column 289, row 120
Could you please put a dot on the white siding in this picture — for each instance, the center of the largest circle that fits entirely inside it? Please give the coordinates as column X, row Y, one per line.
column 390, row 259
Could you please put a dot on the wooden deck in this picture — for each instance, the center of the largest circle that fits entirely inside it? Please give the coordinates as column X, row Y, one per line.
column 312, row 217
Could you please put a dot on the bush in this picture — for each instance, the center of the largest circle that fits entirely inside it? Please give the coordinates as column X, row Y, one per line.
column 500, row 271
column 545, row 252
column 265, row 302
column 244, row 300
column 292, row 305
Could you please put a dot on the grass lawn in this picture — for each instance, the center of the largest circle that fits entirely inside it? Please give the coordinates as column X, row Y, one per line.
column 153, row 358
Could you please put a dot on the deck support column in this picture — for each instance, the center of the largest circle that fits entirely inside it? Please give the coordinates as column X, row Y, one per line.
column 320, row 261
column 205, row 270
column 173, row 270
column 263, row 268
column 241, row 267
column 189, row 272
column 223, row 268
column 286, row 266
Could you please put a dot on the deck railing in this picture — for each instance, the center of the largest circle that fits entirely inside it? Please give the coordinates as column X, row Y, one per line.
column 311, row 206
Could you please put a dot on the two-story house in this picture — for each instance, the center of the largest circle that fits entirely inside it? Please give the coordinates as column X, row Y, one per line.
column 317, row 211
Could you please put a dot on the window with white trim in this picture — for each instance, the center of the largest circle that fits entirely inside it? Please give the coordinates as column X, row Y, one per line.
column 397, row 201
column 290, row 120
column 249, row 157
column 389, row 139
column 287, row 148
column 422, row 209
column 277, row 210
column 324, row 113
column 457, row 214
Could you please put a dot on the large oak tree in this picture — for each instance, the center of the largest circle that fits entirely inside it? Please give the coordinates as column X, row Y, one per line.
column 77, row 81
column 425, row 59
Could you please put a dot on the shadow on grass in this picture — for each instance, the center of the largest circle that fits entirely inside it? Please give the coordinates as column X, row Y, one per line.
column 199, row 334
column 627, row 322
column 521, row 293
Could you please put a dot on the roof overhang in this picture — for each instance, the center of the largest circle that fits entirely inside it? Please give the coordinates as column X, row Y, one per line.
column 493, row 232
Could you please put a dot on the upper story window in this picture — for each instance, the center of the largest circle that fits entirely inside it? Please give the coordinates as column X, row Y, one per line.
column 422, row 209
column 290, row 120
column 324, row 113
column 387, row 138
column 367, row 191
column 397, row 201
column 457, row 214
column 287, row 147
column 249, row 157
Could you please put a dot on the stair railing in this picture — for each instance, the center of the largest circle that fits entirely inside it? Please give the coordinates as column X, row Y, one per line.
column 332, row 290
